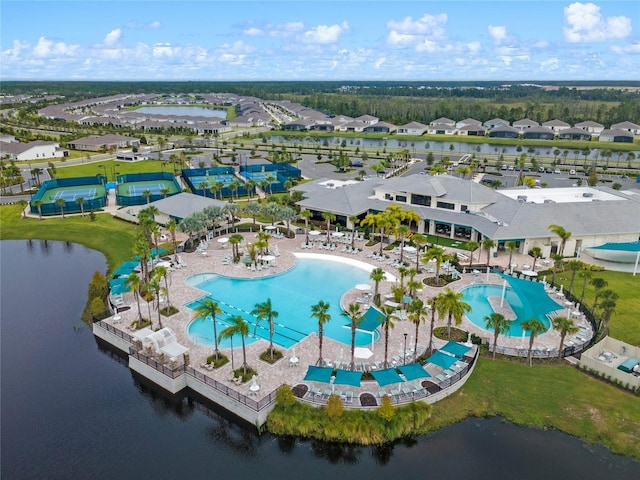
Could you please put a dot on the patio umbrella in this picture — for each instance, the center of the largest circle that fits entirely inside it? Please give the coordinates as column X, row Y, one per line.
column 442, row 360
column 318, row 374
column 413, row 371
column 455, row 348
column 387, row 376
column 347, row 377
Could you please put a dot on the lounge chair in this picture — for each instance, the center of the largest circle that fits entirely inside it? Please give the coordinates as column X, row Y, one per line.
column 348, row 396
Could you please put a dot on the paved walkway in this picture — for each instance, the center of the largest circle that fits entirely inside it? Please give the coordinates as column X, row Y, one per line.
column 212, row 260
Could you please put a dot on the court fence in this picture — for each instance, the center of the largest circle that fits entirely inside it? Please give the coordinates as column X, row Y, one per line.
column 280, row 171
column 129, row 200
column 193, row 178
column 43, row 207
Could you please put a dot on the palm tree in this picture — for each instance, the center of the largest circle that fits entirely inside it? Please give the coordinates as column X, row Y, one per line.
column 328, row 217
column 439, row 255
column 172, row 226
column 154, row 285
column 61, row 203
column 321, row 312
column 488, row 244
column 265, row 311
column 354, row 222
column 133, row 282
column 209, row 308
column 80, row 201
column 306, row 215
column 417, row 311
column 586, row 274
column 253, row 209
column 566, row 327
column 388, row 315
column 574, row 266
column 164, row 191
column 564, row 235
column 23, row 205
column 235, row 240
column 38, row 205
column 377, row 275
column 597, row 283
column 237, row 326
column 534, row 327
column 402, row 231
column 472, row 246
column 147, row 195
column 558, row 261
column 419, row 240
column 511, row 247
column 450, row 304
column 536, row 253
column 160, row 273
column 355, row 316
column 499, row 324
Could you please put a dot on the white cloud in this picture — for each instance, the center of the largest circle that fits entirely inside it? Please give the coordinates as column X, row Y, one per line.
column 253, row 32
column 378, row 63
column 145, row 26
column 431, row 25
column 323, row 34
column 238, row 47
column 550, row 64
column 498, row 33
column 18, row 48
column 276, row 30
column 47, row 48
column 113, row 37
column 630, row 48
column 586, row 24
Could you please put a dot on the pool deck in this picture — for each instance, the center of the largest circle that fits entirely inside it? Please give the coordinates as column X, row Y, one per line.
column 270, row 377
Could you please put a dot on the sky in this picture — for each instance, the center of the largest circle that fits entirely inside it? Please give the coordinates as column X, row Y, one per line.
column 237, row 40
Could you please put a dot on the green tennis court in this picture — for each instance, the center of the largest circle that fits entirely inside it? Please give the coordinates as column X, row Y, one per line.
column 71, row 194
column 154, row 187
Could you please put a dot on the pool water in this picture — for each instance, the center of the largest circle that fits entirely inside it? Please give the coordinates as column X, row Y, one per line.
column 524, row 308
column 292, row 294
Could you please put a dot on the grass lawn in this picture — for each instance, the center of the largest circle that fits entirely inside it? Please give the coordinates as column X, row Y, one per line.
column 559, row 397
column 624, row 322
column 113, row 237
column 119, row 166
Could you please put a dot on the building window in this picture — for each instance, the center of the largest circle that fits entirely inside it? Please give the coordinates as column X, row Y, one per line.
column 464, row 208
column 388, row 196
column 446, row 205
column 420, row 200
column 401, row 198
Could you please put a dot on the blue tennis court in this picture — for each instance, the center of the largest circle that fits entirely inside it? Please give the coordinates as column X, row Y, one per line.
column 224, row 178
column 72, row 195
column 257, row 176
column 154, row 189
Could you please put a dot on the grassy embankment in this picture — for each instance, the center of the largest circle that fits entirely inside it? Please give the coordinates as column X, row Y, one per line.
column 120, row 167
column 559, row 397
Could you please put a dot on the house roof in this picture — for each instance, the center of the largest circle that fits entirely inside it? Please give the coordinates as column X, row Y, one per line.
column 184, row 204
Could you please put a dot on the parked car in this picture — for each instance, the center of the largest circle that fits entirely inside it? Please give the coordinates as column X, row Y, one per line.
column 572, row 172
column 540, row 169
column 556, row 171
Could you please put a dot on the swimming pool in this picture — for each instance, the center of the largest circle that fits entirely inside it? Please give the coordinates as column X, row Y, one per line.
column 292, row 294
column 526, row 304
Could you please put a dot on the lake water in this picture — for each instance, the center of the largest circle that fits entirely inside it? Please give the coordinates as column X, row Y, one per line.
column 72, row 409
column 184, row 111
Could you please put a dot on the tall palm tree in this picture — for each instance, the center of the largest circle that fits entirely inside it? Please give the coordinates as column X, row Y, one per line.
column 566, row 327
column 172, row 226
column 253, row 209
column 23, row 205
column 306, row 215
column 147, row 195
column 154, row 285
column 488, row 244
column 61, row 203
column 534, row 327
column 133, row 282
column 320, row 311
column 388, row 316
column 419, row 240
column 561, row 232
column 558, row 262
column 264, row 311
column 38, row 205
column 354, row 315
column 80, row 201
column 160, row 273
column 377, row 275
column 205, row 309
column 235, row 240
column 354, row 222
column 597, row 283
column 511, row 247
column 417, row 312
column 586, row 274
column 472, row 246
column 439, row 255
column 328, row 217
column 450, row 304
column 402, row 231
column 536, row 253
column 499, row 324
column 237, row 326
column 574, row 266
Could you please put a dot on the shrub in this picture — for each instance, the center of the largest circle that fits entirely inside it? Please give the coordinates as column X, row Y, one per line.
column 222, row 360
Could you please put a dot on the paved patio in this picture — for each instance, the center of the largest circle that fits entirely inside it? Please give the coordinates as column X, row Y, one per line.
column 214, row 260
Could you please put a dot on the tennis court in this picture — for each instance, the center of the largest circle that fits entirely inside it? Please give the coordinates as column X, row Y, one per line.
column 211, row 179
column 73, row 194
column 259, row 176
column 153, row 189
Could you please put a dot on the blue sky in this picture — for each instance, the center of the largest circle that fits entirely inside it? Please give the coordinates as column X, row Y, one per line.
column 327, row 40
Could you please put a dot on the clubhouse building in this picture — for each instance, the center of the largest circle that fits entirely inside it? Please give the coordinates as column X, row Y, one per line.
column 468, row 211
